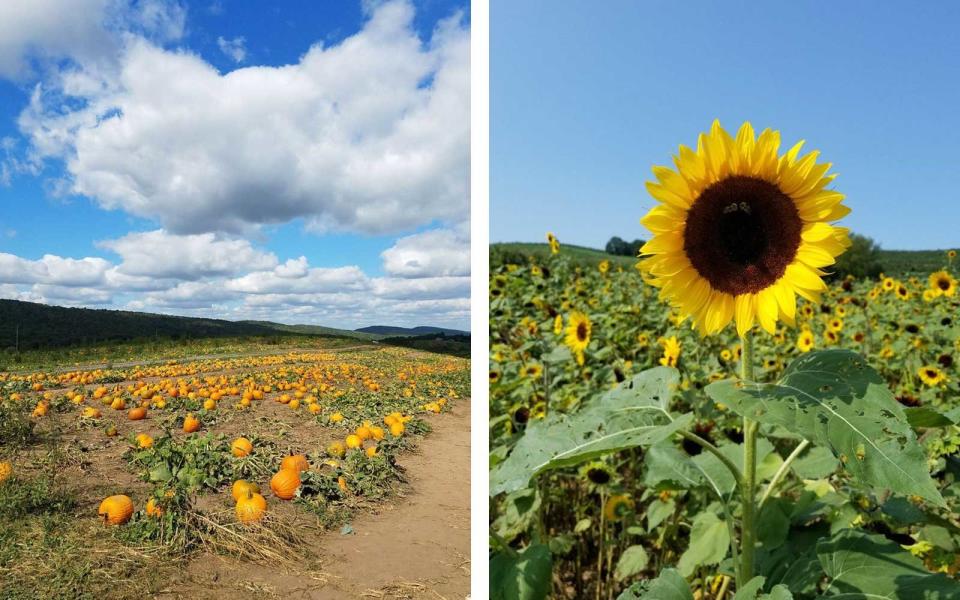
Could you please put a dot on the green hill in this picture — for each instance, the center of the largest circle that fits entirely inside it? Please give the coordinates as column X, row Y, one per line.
column 32, row 326
column 898, row 263
column 384, row 330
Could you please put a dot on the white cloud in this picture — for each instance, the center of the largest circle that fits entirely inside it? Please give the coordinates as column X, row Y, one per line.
column 162, row 254
column 316, row 281
column 86, row 32
column 420, row 288
column 440, row 252
column 235, row 48
column 53, row 270
column 370, row 135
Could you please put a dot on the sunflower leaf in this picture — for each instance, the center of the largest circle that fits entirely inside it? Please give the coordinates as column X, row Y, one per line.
column 870, row 567
column 669, row 585
column 833, row 398
column 635, row 413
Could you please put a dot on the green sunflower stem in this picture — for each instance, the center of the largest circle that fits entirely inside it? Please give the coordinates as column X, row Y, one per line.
column 748, row 490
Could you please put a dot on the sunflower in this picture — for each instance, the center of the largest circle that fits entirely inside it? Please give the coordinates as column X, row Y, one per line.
column 554, row 243
column 741, row 231
column 835, row 324
column 604, row 266
column 617, row 506
column 533, row 370
column 951, row 254
column 943, row 283
column 805, row 341
column 889, row 283
column 597, row 472
column 578, row 334
column 725, row 355
column 643, row 340
column 494, row 376
column 557, row 325
column 831, row 337
column 671, row 351
column 902, row 292
column 931, row 375
column 536, row 271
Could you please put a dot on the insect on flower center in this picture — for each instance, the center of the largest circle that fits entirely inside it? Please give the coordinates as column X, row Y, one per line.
column 741, row 233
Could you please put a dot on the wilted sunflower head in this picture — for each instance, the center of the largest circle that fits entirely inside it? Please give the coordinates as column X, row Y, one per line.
column 598, row 473
column 617, row 507
column 740, row 230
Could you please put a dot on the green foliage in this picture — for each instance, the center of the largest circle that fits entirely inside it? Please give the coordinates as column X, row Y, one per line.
column 870, row 567
column 191, row 462
column 862, row 259
column 834, row 399
column 523, row 575
column 620, row 247
column 634, row 414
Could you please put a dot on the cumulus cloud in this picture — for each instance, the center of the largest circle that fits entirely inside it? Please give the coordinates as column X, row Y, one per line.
column 53, row 270
column 440, row 252
column 370, row 135
column 83, row 31
column 235, row 48
column 162, row 254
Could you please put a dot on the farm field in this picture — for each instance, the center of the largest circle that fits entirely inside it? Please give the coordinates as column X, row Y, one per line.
column 289, row 468
column 591, row 500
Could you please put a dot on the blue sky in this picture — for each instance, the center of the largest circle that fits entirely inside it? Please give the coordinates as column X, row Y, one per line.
column 299, row 161
column 585, row 98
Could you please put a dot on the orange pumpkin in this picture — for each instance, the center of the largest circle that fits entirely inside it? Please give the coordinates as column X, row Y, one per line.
column 251, row 508
column 285, row 483
column 372, row 451
column 241, row 487
column 397, row 429
column 116, row 510
column 144, row 441
column 241, row 447
column 6, row 469
column 137, row 414
column 191, row 424
column 296, row 462
column 342, row 482
column 354, row 441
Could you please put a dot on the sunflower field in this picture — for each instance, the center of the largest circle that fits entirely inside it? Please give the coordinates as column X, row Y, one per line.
column 800, row 440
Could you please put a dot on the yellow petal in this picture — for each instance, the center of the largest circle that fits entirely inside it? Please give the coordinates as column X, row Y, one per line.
column 745, row 310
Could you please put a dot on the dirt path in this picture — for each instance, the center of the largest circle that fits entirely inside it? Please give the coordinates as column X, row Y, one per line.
column 416, row 546
column 424, row 540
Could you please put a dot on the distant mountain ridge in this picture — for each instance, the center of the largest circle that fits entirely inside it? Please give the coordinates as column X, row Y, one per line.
column 389, row 330
column 31, row 325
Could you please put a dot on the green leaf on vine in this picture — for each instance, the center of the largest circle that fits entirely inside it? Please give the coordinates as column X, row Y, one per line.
column 635, row 413
column 834, row 399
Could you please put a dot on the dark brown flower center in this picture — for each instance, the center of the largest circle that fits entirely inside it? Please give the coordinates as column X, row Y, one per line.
column 943, row 284
column 741, row 234
column 582, row 331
